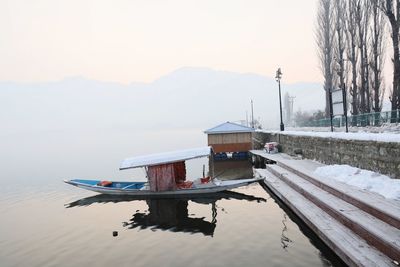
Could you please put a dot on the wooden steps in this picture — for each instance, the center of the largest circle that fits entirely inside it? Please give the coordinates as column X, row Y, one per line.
column 377, row 233
column 381, row 208
column 385, row 209
column 366, row 222
column 351, row 248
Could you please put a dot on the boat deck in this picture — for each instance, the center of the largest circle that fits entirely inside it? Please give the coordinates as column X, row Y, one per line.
column 360, row 226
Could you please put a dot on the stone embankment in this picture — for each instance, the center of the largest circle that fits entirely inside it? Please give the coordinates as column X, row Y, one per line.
column 382, row 157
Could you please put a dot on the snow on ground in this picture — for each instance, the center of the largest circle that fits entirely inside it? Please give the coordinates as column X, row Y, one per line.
column 367, row 180
column 389, row 132
column 363, row 136
column 385, row 128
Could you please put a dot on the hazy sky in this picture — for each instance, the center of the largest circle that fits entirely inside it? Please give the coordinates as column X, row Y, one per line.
column 141, row 40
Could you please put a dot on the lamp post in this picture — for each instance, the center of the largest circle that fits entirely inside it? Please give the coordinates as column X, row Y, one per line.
column 331, row 108
column 344, row 93
column 278, row 79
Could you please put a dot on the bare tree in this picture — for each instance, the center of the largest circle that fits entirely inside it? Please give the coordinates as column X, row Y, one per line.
column 391, row 9
column 357, row 27
column 377, row 56
column 352, row 53
column 362, row 20
column 340, row 47
column 325, row 35
column 366, row 22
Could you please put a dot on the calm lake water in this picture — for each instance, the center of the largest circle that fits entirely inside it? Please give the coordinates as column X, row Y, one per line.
column 45, row 222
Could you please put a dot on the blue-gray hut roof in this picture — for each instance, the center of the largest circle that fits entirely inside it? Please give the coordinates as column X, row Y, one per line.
column 229, row 127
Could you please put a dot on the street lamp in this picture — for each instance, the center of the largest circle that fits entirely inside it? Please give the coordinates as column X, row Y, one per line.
column 278, row 79
column 331, row 107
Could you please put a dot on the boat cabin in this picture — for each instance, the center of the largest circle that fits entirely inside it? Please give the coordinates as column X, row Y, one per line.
column 167, row 171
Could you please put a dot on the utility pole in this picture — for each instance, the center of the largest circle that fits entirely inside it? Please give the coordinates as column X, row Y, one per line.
column 252, row 115
column 278, row 78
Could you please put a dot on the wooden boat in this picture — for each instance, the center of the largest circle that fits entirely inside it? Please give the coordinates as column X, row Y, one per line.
column 166, row 176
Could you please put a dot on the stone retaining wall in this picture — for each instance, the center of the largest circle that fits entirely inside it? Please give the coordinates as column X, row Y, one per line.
column 382, row 157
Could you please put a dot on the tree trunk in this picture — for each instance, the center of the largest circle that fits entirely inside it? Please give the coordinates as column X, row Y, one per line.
column 340, row 27
column 391, row 9
column 366, row 21
column 376, row 63
column 325, row 38
column 361, row 46
column 352, row 54
column 396, row 69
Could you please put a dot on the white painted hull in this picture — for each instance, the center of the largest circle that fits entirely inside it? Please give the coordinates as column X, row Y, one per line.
column 204, row 189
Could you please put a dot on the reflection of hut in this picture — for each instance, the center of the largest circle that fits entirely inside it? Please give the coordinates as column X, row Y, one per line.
column 173, row 215
column 230, row 170
column 230, row 137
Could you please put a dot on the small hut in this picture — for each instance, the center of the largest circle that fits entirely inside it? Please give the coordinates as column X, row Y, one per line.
column 230, row 137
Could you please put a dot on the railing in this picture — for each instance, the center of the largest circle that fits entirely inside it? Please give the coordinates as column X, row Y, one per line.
column 362, row 120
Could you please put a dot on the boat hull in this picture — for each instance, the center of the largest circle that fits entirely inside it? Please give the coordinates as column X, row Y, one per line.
column 204, row 189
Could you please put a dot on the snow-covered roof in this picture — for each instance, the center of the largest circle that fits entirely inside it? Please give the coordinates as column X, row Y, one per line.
column 164, row 158
column 229, row 127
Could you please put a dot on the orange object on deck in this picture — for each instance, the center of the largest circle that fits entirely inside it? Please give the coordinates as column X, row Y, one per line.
column 205, row 180
column 184, row 185
column 104, row 183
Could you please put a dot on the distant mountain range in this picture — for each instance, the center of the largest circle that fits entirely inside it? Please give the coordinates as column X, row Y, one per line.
column 187, row 97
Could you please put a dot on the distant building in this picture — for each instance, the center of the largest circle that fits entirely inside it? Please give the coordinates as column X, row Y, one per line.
column 288, row 109
column 230, row 137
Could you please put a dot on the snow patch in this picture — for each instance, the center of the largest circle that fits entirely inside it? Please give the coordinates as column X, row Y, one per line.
column 361, row 136
column 384, row 128
column 364, row 179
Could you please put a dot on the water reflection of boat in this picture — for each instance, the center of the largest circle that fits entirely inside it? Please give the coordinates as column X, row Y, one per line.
column 170, row 213
column 201, row 199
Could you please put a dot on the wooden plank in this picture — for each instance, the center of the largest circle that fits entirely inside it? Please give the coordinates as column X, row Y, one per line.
column 376, row 232
column 240, row 147
column 229, row 138
column 352, row 249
